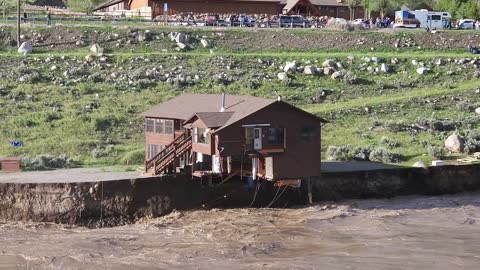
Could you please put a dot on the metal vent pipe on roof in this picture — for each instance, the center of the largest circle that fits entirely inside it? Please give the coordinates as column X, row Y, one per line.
column 222, row 109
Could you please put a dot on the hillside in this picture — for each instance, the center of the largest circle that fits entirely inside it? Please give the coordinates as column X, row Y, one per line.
column 57, row 101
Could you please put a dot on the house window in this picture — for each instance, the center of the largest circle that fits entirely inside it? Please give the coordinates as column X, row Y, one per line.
column 149, row 125
column 200, row 135
column 168, row 126
column 276, row 135
column 159, row 126
column 310, row 134
column 152, row 150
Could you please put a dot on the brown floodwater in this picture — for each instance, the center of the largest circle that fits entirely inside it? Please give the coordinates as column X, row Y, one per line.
column 412, row 232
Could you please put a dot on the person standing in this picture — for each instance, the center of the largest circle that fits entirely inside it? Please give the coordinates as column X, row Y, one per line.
column 25, row 17
column 49, row 19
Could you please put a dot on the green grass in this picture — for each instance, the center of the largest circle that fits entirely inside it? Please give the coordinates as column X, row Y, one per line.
column 55, row 119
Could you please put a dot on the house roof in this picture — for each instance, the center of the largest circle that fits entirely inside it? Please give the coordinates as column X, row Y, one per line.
column 185, row 105
column 213, row 119
column 290, row 4
column 206, row 107
column 336, row 3
column 108, row 4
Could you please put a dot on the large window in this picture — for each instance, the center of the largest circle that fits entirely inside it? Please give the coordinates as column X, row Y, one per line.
column 152, row 150
column 159, row 126
column 276, row 135
column 310, row 134
column 149, row 125
column 200, row 135
column 168, row 126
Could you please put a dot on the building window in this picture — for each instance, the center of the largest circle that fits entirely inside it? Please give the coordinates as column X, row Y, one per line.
column 200, row 135
column 152, row 150
column 310, row 134
column 159, row 126
column 149, row 125
column 168, row 126
column 276, row 135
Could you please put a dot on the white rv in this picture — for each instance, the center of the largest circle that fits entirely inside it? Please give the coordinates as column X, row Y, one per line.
column 421, row 19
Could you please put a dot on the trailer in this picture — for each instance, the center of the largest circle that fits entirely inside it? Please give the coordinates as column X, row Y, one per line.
column 421, row 19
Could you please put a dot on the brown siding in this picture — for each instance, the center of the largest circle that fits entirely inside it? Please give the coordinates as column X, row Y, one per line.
column 162, row 139
column 10, row 164
column 203, row 6
column 300, row 159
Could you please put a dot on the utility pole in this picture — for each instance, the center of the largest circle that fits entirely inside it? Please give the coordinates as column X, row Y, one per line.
column 18, row 24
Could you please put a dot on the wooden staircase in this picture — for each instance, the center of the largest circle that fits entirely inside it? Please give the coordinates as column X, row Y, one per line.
column 167, row 157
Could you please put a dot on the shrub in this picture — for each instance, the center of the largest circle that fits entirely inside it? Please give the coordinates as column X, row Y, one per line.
column 340, row 153
column 385, row 156
column 436, row 152
column 472, row 141
column 47, row 162
column 361, row 154
column 395, row 126
column 388, row 142
column 136, row 157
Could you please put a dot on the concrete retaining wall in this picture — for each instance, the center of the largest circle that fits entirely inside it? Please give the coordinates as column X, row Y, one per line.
column 393, row 182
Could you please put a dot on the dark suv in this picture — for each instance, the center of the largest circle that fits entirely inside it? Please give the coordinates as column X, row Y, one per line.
column 293, row 21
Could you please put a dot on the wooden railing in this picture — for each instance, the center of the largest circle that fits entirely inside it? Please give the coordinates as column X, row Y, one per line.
column 169, row 154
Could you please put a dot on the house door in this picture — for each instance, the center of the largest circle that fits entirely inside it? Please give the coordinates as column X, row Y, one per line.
column 257, row 138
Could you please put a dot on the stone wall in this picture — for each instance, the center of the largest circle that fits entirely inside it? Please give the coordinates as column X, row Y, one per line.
column 394, row 182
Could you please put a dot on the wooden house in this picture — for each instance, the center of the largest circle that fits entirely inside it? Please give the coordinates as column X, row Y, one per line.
column 331, row 8
column 228, row 135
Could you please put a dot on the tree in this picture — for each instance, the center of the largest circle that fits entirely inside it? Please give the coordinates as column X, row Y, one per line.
column 382, row 6
column 352, row 4
column 367, row 9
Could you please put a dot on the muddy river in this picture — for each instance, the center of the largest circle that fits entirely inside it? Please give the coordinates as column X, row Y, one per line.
column 401, row 233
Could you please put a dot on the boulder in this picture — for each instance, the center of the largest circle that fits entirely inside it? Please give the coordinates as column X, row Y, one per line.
column 90, row 58
column 205, row 43
column 455, row 143
column 181, row 46
column 309, row 70
column 477, row 110
column 282, row 76
column 290, row 66
column 96, row 49
column 182, row 38
column 384, row 68
column 328, row 63
column 376, row 60
column 328, row 71
column 338, row 75
column 25, row 48
column 80, row 43
column 422, row 70
column 419, row 164
column 439, row 62
column 367, row 59
column 414, row 62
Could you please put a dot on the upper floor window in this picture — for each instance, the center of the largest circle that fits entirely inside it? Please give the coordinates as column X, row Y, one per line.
column 159, row 126
column 310, row 133
column 276, row 135
column 168, row 126
column 149, row 125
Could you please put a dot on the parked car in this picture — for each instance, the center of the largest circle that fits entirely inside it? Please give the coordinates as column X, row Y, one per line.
column 223, row 23
column 359, row 22
column 212, row 20
column 466, row 24
column 294, row 21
